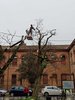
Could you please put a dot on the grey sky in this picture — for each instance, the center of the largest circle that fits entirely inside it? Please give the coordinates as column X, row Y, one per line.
column 17, row 15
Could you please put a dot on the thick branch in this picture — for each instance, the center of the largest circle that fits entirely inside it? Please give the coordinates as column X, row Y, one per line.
column 48, row 39
column 10, row 59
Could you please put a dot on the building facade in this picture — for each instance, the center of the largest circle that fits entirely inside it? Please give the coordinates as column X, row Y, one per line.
column 61, row 67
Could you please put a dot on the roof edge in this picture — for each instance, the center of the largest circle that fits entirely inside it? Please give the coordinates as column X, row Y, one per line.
column 71, row 45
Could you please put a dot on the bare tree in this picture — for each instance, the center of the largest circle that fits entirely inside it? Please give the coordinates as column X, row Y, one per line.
column 41, row 39
column 43, row 36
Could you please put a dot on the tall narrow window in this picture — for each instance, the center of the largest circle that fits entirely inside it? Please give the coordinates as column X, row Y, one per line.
column 63, row 76
column 14, row 62
column 45, row 79
column 2, row 80
column 74, row 57
column 13, row 79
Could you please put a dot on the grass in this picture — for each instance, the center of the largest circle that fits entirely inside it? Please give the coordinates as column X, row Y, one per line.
column 29, row 98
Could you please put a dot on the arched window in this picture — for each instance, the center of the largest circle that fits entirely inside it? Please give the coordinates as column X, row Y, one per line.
column 53, row 56
column 62, row 59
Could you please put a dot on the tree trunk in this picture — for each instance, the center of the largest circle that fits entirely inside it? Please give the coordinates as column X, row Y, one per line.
column 36, row 88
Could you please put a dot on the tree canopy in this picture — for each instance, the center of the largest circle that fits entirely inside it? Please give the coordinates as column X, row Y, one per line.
column 28, row 68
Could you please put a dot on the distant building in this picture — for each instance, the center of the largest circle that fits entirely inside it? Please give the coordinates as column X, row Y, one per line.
column 61, row 69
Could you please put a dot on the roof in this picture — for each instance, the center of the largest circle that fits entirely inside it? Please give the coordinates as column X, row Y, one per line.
column 71, row 45
column 24, row 47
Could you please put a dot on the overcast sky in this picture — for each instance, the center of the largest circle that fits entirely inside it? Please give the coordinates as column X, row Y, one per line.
column 17, row 15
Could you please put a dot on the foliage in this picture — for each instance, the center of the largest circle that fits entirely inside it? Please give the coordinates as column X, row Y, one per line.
column 43, row 60
column 28, row 68
column 29, row 98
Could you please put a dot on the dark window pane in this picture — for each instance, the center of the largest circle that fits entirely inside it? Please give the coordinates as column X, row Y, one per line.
column 14, row 79
column 45, row 79
column 2, row 81
column 14, row 62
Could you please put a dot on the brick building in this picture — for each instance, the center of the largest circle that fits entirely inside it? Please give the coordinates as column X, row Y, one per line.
column 62, row 68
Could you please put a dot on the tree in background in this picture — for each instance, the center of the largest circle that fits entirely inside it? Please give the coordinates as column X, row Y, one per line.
column 28, row 69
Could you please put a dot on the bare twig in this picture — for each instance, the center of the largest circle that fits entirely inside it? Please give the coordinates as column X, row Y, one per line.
column 7, row 37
